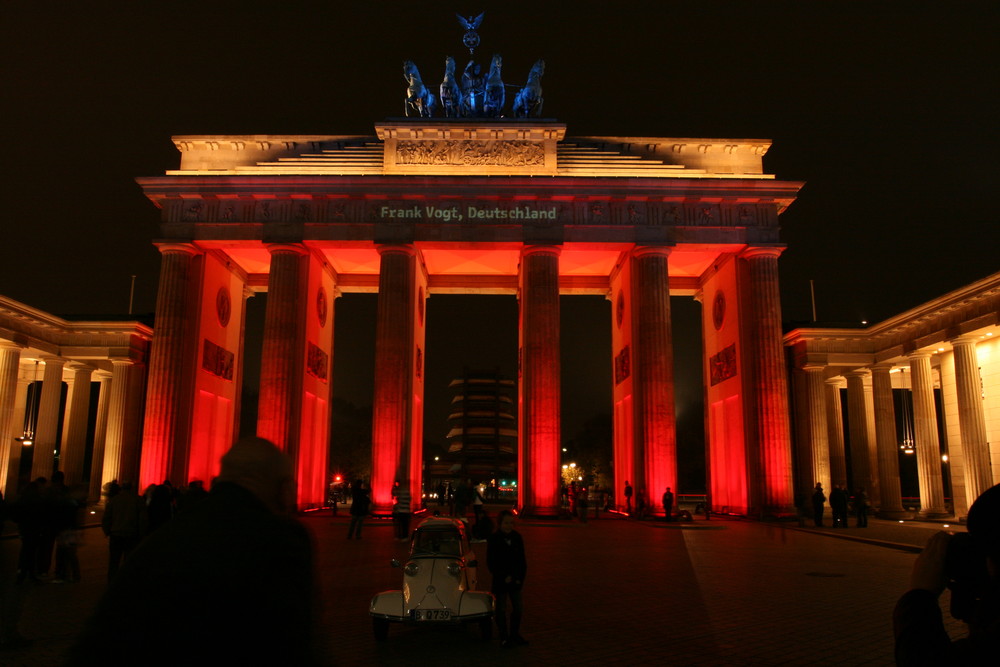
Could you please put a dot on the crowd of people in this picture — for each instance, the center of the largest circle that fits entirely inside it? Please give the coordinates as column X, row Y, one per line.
column 840, row 503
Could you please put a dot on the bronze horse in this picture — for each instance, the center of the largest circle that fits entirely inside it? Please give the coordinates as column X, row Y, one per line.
column 451, row 93
column 418, row 97
column 528, row 101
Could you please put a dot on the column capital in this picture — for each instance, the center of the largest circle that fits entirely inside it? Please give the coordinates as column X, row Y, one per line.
column 77, row 366
column 763, row 251
column 652, row 250
column 919, row 354
column 10, row 345
column 882, row 366
column 122, row 361
column 834, row 381
column 102, row 375
column 52, row 359
column 964, row 339
column 296, row 248
column 527, row 250
column 174, row 247
column 396, row 249
column 857, row 373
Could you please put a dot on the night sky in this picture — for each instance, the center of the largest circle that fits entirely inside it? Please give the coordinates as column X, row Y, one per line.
column 885, row 110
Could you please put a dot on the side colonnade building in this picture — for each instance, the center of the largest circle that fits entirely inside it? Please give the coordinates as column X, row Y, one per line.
column 923, row 385
column 470, row 207
column 72, row 387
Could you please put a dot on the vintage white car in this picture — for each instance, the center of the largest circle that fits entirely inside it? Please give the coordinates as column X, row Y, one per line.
column 439, row 583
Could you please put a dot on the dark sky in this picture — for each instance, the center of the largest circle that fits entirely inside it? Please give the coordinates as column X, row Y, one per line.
column 886, row 111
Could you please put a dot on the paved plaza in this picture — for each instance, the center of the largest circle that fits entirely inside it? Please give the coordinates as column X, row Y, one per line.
column 613, row 591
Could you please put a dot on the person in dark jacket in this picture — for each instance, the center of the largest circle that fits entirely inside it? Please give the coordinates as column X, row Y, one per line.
column 970, row 566
column 360, row 502
column 818, row 499
column 228, row 582
column 507, row 563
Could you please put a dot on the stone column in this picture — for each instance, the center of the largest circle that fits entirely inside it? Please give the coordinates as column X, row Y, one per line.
column 10, row 360
column 394, row 369
column 971, row 418
column 43, row 458
column 819, row 441
column 100, row 433
column 172, row 358
column 74, row 439
column 926, row 436
column 13, row 480
column 653, row 374
column 891, row 496
column 835, row 434
column 766, row 361
column 540, row 435
column 862, row 466
column 120, row 445
column 278, row 412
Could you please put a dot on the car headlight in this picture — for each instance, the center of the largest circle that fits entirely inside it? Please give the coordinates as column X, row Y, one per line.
column 454, row 569
column 411, row 569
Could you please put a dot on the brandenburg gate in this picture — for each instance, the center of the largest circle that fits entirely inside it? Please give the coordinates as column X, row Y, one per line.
column 470, row 206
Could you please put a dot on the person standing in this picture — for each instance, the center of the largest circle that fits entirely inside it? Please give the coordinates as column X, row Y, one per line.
column 838, row 504
column 860, row 508
column 506, row 561
column 628, row 497
column 582, row 503
column 360, row 502
column 818, row 500
column 401, row 510
column 124, row 523
column 668, row 505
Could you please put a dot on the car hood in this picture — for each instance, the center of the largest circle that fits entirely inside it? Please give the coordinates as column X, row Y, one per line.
column 432, row 587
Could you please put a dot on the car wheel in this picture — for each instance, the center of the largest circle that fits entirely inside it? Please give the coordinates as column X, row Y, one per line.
column 380, row 627
column 486, row 629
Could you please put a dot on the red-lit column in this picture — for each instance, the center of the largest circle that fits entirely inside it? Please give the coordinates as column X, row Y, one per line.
column 653, row 375
column 835, row 434
column 769, row 401
column 891, row 496
column 172, row 356
column 10, row 360
column 278, row 412
column 861, row 446
column 394, row 371
column 971, row 419
column 74, row 440
column 100, row 434
column 926, row 436
column 43, row 459
column 121, row 445
column 818, row 444
column 539, row 434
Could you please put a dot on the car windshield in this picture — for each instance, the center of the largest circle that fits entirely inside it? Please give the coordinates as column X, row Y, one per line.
column 444, row 541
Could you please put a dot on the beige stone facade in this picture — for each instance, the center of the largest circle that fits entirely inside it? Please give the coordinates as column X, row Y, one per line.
column 64, row 358
column 949, row 346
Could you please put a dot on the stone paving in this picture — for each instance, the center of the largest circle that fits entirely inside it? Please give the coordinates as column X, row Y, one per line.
column 613, row 591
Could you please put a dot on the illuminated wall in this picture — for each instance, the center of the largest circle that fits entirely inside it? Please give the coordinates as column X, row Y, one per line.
column 723, row 355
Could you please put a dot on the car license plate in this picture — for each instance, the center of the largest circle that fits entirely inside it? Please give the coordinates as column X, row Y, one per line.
column 431, row 615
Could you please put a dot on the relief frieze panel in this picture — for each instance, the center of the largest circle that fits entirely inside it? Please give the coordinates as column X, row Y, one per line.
column 470, row 153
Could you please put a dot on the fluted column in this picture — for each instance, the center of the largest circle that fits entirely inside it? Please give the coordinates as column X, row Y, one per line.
column 770, row 385
column 394, row 369
column 121, row 460
column 819, row 441
column 539, row 436
column 926, row 436
column 862, row 466
column 281, row 355
column 74, row 439
column 835, row 434
column 10, row 360
column 13, row 480
column 172, row 358
column 971, row 418
column 891, row 496
column 100, row 434
column 43, row 457
column 653, row 375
